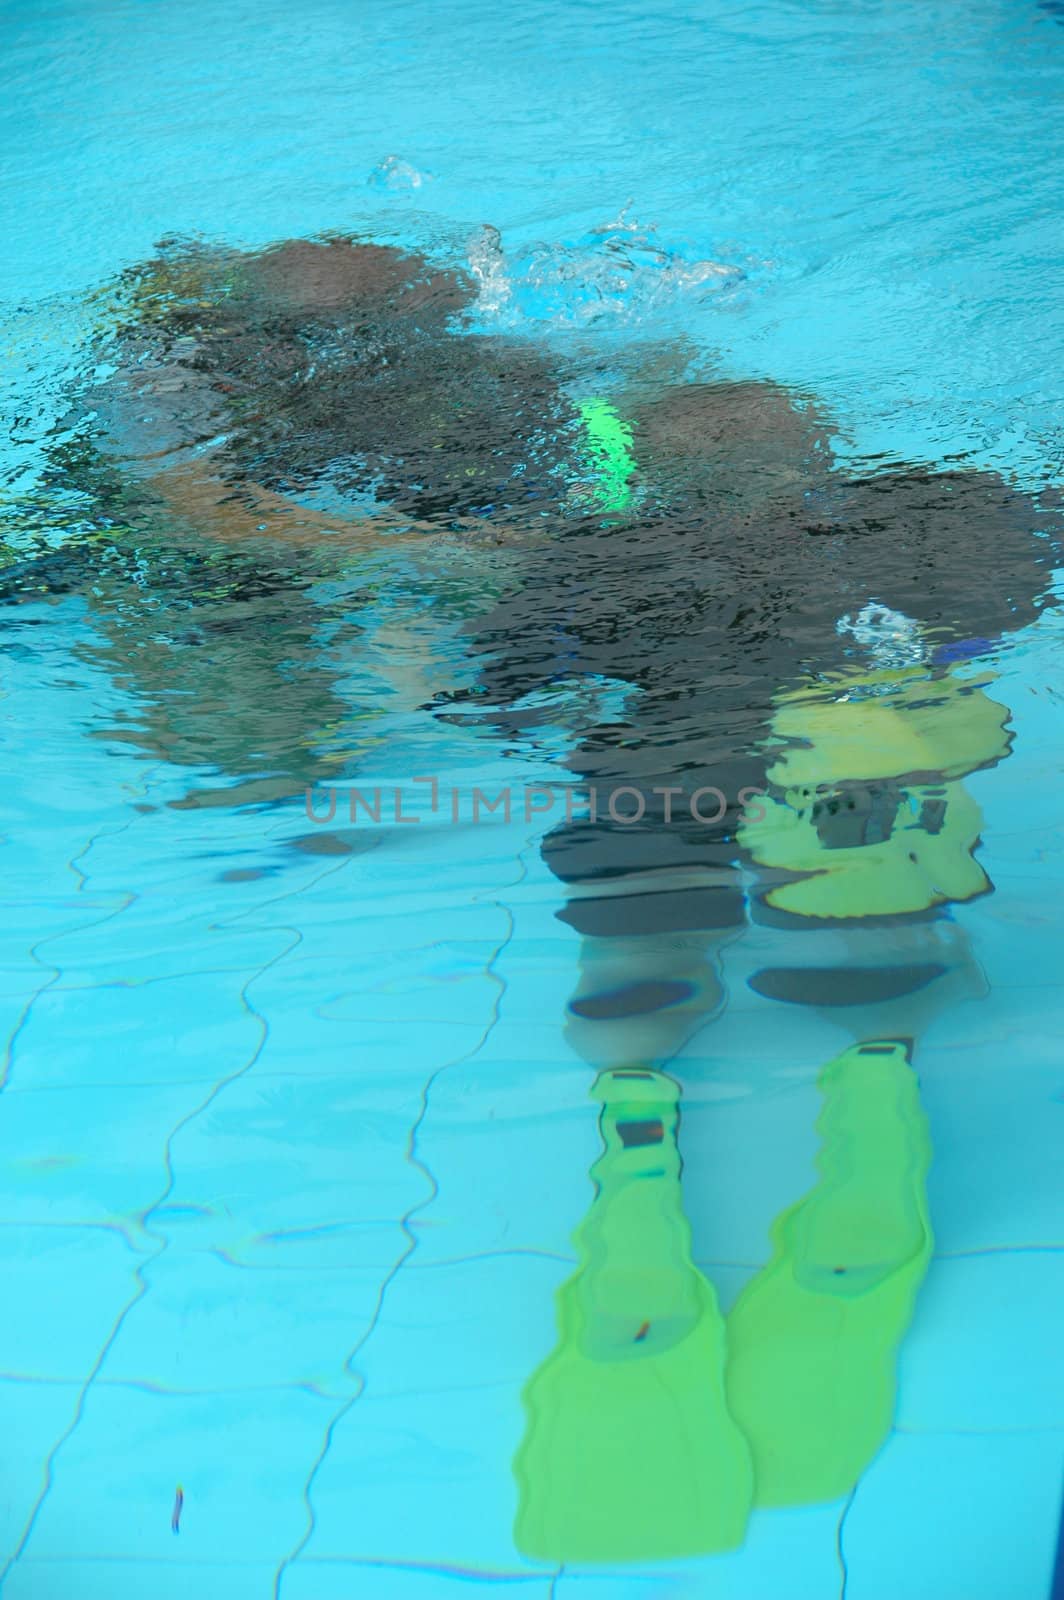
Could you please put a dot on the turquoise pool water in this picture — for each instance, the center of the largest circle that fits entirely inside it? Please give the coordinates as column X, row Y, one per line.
column 293, row 1146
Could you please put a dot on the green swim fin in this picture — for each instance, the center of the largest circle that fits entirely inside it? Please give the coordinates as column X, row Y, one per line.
column 813, row 1338
column 629, row 1453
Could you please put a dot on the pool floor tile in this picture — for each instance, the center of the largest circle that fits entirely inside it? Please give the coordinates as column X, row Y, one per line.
column 161, row 1579
column 463, row 1325
column 178, row 1030
column 997, row 1129
column 787, row 1555
column 967, row 1514
column 291, row 1153
column 451, row 1452
column 241, row 1460
column 89, row 1155
column 205, row 1325
column 33, row 1418
column 338, row 1580
column 64, row 1291
column 984, row 1348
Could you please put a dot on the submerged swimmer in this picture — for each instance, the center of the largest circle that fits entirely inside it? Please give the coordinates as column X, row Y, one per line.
column 282, row 438
column 318, row 385
column 781, row 628
column 275, row 418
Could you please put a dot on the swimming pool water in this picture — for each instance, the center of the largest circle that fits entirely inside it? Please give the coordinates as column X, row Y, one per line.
column 293, row 1148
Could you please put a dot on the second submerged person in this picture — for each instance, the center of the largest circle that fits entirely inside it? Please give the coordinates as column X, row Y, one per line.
column 814, row 655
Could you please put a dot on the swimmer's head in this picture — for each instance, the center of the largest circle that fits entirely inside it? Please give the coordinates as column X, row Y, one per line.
column 730, row 442
column 293, row 282
column 347, row 275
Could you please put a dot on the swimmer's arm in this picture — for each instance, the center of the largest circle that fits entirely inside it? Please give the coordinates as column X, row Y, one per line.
column 197, row 494
column 195, row 491
column 194, row 484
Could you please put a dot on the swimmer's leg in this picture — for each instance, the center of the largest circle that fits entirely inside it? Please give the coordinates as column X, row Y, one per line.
column 642, row 999
column 888, row 980
column 649, row 968
column 813, row 1338
column 629, row 1451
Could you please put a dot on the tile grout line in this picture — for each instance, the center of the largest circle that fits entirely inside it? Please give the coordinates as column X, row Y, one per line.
column 839, row 1533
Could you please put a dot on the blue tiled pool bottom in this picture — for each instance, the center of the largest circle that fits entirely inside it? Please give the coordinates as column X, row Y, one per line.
column 293, row 1149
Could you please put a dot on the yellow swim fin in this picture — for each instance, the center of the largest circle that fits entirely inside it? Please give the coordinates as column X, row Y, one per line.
column 629, row 1452
column 866, row 809
column 813, row 1338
